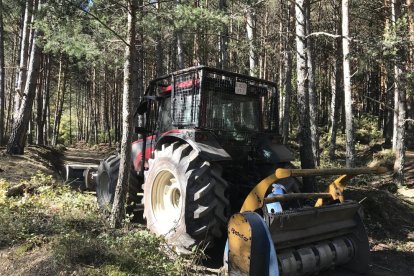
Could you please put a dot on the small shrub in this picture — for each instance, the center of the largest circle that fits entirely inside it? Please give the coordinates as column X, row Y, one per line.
column 384, row 158
column 367, row 129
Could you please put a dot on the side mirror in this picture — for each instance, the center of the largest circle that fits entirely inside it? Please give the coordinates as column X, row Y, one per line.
column 142, row 107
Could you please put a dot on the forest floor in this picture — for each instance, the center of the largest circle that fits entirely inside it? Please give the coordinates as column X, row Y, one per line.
column 50, row 229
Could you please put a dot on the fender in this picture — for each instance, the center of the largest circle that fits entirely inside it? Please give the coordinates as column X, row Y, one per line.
column 136, row 152
column 202, row 141
column 270, row 150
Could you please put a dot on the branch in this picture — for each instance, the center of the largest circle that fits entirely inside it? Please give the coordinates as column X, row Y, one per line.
column 328, row 34
column 107, row 27
column 411, row 121
column 381, row 103
column 101, row 22
column 323, row 33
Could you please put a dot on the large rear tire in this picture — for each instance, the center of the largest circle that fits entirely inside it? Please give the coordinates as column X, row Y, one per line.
column 106, row 181
column 184, row 197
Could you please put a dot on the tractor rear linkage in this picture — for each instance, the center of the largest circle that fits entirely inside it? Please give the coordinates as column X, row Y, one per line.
column 299, row 242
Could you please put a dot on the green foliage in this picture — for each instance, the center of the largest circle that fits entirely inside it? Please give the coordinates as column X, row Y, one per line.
column 134, row 252
column 384, row 158
column 367, row 129
column 67, row 29
column 67, row 32
column 52, row 214
column 44, row 209
column 64, row 132
column 190, row 18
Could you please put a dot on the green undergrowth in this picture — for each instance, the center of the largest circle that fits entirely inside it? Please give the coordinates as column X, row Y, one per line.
column 51, row 215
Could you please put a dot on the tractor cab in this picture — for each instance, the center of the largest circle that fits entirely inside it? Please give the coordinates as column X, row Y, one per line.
column 236, row 109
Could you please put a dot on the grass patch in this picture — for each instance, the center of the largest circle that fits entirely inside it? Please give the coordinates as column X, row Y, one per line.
column 51, row 215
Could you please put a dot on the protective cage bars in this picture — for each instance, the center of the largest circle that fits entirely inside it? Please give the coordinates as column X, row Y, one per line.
column 194, row 92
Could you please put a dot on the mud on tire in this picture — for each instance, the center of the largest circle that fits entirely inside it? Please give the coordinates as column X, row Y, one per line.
column 107, row 179
column 184, row 196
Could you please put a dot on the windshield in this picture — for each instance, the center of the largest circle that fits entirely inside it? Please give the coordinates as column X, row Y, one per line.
column 233, row 113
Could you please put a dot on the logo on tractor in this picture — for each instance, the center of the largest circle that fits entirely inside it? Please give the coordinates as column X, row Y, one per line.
column 238, row 234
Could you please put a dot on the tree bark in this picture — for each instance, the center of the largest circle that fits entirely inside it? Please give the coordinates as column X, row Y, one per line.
column 251, row 37
column 400, row 103
column 46, row 97
column 349, row 126
column 118, row 208
column 11, row 87
column 180, row 46
column 410, row 99
column 39, row 106
column 336, row 102
column 17, row 137
column 397, row 76
column 223, row 40
column 400, row 143
column 95, row 106
column 105, row 111
column 336, row 88
column 159, row 49
column 304, row 132
column 313, row 109
column 287, row 82
column 2, row 76
column 60, row 100
column 24, row 54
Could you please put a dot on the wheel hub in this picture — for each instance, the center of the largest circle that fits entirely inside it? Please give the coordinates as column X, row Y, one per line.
column 166, row 200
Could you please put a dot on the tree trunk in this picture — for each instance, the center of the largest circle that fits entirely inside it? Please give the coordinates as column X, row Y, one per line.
column 397, row 73
column 118, row 208
column 180, row 46
column 313, row 109
column 39, row 106
column 397, row 80
column 24, row 53
column 349, row 127
column 223, row 40
column 400, row 143
column 94, row 103
column 105, row 111
column 46, row 93
column 11, row 88
column 2, row 76
column 60, row 99
column 336, row 88
column 251, row 37
column 335, row 105
column 304, row 132
column 400, row 107
column 70, row 113
column 287, row 82
column 410, row 100
column 17, row 137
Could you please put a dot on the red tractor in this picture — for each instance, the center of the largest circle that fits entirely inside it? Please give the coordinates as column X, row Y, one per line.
column 210, row 136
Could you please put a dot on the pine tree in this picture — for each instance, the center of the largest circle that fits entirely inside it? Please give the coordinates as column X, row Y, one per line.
column 118, row 208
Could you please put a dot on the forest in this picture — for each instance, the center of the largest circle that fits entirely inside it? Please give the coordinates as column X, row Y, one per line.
column 346, row 64
column 73, row 72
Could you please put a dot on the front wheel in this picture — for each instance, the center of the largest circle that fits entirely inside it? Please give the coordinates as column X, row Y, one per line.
column 184, row 197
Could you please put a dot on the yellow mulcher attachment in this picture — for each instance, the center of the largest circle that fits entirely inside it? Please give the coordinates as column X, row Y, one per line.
column 267, row 239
